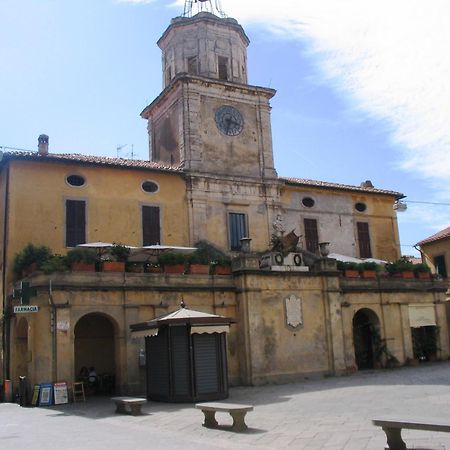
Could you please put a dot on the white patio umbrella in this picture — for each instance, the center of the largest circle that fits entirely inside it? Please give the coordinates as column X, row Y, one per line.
column 149, row 251
column 101, row 247
column 344, row 258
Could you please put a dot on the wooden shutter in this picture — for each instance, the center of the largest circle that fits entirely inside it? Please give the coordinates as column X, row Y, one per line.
column 364, row 240
column 75, row 222
column 151, row 233
column 238, row 230
column 311, row 235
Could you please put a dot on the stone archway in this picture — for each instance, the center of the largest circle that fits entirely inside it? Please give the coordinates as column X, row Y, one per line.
column 95, row 346
column 21, row 347
column 366, row 326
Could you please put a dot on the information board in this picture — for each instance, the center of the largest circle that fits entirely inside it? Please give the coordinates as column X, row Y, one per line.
column 35, row 398
column 45, row 395
column 60, row 393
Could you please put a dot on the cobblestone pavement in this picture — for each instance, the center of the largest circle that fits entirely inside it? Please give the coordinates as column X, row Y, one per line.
column 328, row 414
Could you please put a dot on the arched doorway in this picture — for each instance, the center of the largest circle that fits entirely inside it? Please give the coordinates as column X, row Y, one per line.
column 21, row 348
column 95, row 348
column 365, row 338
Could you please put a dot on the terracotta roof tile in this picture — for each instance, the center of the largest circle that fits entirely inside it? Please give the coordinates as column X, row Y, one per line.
column 90, row 159
column 443, row 234
column 346, row 187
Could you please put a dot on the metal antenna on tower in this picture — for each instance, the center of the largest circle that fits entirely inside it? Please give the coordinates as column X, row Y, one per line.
column 193, row 7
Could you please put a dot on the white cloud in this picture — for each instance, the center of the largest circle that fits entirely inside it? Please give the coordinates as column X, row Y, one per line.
column 390, row 56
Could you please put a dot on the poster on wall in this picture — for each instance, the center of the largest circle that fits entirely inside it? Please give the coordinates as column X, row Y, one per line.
column 60, row 393
column 45, row 395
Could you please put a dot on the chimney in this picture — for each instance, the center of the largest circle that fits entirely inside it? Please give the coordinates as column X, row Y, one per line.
column 367, row 184
column 43, row 145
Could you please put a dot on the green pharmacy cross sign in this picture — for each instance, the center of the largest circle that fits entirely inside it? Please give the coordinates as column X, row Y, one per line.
column 24, row 293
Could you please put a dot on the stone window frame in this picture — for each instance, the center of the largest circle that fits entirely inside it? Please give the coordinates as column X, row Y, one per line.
column 75, row 174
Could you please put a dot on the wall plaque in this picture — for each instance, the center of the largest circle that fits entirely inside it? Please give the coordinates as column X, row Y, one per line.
column 293, row 307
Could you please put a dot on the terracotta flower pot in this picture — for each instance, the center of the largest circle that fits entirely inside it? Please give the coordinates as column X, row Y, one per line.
column 350, row 273
column 407, row 274
column 369, row 274
column 424, row 275
column 199, row 269
column 223, row 270
column 81, row 266
column 113, row 266
column 174, row 268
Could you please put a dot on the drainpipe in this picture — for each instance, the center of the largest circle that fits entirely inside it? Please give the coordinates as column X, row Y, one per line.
column 53, row 331
column 6, row 309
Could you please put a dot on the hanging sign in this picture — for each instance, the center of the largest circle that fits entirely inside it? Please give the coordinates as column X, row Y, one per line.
column 26, row 309
column 60, row 393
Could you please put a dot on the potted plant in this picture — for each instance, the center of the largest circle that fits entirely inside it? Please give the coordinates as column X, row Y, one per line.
column 401, row 268
column 81, row 259
column 55, row 263
column 119, row 254
column 368, row 269
column 198, row 264
column 172, row 262
column 30, row 259
column 222, row 266
column 350, row 269
column 422, row 271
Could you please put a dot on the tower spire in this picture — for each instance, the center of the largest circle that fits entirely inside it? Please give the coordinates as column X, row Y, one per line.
column 193, row 7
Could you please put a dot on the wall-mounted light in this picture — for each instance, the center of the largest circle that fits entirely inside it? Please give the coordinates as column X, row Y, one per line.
column 400, row 206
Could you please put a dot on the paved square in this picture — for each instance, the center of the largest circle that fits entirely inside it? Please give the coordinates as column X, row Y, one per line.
column 328, row 414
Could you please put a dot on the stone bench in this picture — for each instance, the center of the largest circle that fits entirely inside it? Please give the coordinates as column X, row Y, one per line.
column 132, row 403
column 393, row 428
column 237, row 412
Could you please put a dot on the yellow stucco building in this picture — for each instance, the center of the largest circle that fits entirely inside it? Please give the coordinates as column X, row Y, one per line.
column 210, row 177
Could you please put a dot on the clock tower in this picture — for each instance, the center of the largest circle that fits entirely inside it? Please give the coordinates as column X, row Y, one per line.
column 210, row 122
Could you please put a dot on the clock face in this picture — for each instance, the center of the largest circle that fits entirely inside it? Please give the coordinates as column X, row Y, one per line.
column 229, row 120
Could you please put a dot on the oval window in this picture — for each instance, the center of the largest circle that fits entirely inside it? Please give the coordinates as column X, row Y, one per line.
column 75, row 180
column 308, row 202
column 150, row 186
column 361, row 207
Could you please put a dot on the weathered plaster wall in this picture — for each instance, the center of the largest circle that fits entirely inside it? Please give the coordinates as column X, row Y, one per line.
column 336, row 218
column 114, row 200
column 123, row 301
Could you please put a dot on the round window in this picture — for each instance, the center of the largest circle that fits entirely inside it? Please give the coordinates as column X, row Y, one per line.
column 308, row 202
column 150, row 186
column 75, row 180
column 361, row 207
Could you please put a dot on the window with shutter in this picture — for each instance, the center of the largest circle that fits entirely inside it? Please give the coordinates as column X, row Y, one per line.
column 151, row 233
column 75, row 222
column 364, row 240
column 238, row 229
column 311, row 235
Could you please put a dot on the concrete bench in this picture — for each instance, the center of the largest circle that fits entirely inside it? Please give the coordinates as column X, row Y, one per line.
column 237, row 412
column 393, row 428
column 134, row 405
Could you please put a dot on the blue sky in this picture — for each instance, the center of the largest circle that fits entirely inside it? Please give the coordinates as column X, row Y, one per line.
column 362, row 88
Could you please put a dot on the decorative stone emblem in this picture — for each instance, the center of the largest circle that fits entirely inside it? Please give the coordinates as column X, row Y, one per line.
column 294, row 315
